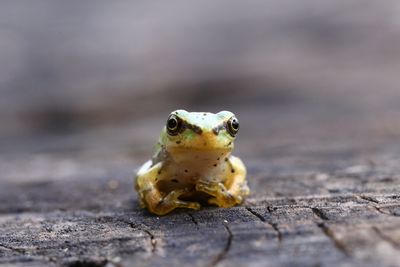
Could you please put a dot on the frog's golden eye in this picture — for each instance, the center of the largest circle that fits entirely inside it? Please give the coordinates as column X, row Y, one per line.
column 232, row 126
column 174, row 124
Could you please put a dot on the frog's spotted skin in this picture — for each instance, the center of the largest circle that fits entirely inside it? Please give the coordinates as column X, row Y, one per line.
column 193, row 162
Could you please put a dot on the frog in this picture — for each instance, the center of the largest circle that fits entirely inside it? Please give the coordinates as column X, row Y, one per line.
column 193, row 164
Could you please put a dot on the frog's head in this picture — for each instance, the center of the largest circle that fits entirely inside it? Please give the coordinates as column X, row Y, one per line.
column 200, row 131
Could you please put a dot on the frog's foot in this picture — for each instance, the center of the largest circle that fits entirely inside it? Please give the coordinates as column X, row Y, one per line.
column 221, row 196
column 162, row 206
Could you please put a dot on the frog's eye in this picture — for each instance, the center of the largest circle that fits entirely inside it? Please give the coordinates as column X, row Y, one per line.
column 174, row 124
column 232, row 126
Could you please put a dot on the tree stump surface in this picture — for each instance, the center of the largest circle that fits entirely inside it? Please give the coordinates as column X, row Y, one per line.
column 325, row 192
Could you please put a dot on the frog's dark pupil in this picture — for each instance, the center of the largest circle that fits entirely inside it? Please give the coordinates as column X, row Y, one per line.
column 235, row 124
column 232, row 126
column 172, row 123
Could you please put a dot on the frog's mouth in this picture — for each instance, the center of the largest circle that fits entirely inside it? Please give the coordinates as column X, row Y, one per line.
column 198, row 155
column 200, row 145
column 198, row 150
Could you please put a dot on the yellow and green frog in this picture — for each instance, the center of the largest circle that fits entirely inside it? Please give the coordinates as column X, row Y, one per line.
column 193, row 164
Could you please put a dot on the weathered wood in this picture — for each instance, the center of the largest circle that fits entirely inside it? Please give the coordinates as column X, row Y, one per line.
column 346, row 216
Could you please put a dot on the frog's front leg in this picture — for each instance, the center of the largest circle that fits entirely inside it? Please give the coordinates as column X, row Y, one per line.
column 155, row 200
column 232, row 191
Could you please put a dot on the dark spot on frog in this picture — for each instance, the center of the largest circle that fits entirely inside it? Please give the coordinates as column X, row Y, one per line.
column 229, row 143
column 196, row 129
column 159, row 172
column 215, row 165
column 218, row 158
column 178, row 142
column 186, row 171
column 226, row 159
column 232, row 170
column 204, row 114
column 174, row 181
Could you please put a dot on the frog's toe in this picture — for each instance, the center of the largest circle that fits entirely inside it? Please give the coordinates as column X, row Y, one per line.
column 175, row 194
column 194, row 205
column 188, row 205
column 219, row 203
column 167, row 205
column 226, row 201
column 213, row 201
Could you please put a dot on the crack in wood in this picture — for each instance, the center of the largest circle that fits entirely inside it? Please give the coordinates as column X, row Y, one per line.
column 193, row 219
column 273, row 225
column 386, row 238
column 226, row 249
column 331, row 235
column 369, row 198
column 331, row 198
column 329, row 232
column 271, row 209
column 18, row 250
column 381, row 211
column 320, row 214
column 153, row 241
column 387, row 213
column 377, row 208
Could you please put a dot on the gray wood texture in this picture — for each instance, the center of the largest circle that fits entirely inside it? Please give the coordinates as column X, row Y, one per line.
column 318, row 199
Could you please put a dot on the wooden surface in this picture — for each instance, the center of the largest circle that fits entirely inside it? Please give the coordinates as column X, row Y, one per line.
column 315, row 85
column 325, row 192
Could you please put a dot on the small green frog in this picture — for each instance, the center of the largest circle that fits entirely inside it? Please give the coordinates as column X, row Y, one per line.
column 193, row 164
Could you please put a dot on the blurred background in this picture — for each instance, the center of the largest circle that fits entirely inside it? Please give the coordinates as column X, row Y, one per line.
column 98, row 78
